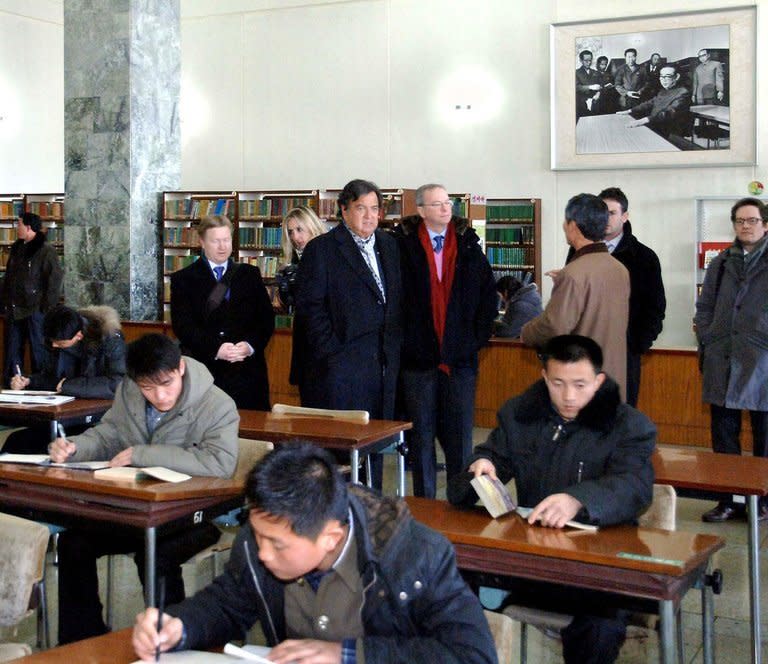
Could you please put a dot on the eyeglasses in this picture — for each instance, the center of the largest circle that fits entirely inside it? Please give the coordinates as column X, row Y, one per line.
column 439, row 204
column 667, row 76
column 751, row 221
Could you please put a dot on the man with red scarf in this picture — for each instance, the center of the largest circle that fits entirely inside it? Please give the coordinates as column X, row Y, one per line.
column 449, row 305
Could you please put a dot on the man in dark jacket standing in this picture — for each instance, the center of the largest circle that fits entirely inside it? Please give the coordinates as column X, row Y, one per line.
column 576, row 452
column 449, row 302
column 333, row 574
column 348, row 304
column 223, row 317
column 732, row 328
column 647, row 301
column 32, row 286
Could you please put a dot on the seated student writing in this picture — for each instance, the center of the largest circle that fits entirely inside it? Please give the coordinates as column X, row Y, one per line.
column 167, row 412
column 85, row 357
column 334, row 574
column 576, row 452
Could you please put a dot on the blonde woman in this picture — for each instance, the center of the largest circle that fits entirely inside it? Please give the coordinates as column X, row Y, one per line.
column 300, row 225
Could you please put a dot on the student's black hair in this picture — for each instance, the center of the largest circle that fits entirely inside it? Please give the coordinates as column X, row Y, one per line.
column 615, row 194
column 151, row 355
column 590, row 214
column 61, row 323
column 508, row 285
column 300, row 483
column 32, row 220
column 602, row 58
column 630, row 50
column 570, row 348
column 354, row 190
column 762, row 207
column 584, row 53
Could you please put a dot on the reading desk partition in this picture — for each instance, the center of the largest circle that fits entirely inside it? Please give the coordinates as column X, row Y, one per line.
column 638, row 563
column 79, row 410
column 76, row 498
column 335, row 434
column 725, row 474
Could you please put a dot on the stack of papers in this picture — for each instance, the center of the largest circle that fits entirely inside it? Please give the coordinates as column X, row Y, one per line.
column 37, row 397
column 45, row 460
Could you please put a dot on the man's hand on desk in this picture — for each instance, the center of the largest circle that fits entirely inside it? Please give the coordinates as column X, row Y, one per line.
column 19, row 382
column 555, row 510
column 483, row 467
column 123, row 458
column 637, row 123
column 61, row 449
column 145, row 636
column 623, row 112
column 306, row 651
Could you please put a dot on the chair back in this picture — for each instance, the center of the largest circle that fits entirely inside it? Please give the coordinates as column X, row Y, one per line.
column 22, row 565
column 361, row 416
column 663, row 510
column 248, row 453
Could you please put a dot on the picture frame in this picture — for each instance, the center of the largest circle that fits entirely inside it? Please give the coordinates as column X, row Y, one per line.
column 719, row 128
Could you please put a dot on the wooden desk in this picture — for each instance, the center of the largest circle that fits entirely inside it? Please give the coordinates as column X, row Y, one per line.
column 80, row 410
column 643, row 563
column 333, row 434
column 112, row 648
column 601, row 134
column 725, row 474
column 71, row 496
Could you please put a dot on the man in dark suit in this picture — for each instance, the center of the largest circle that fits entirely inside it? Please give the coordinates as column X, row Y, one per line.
column 587, row 84
column 223, row 316
column 668, row 112
column 348, row 302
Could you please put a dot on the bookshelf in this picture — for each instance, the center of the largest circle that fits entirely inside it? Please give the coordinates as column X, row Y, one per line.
column 50, row 209
column 714, row 231
column 397, row 203
column 513, row 237
column 11, row 206
column 182, row 211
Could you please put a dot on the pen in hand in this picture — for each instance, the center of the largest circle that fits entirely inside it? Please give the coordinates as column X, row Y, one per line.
column 160, row 610
column 18, row 371
column 62, row 433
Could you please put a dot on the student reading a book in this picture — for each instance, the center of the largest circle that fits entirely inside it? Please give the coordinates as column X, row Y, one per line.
column 576, row 452
column 85, row 358
column 334, row 574
column 167, row 412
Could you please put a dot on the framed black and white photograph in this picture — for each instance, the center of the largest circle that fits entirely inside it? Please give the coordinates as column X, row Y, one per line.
column 655, row 91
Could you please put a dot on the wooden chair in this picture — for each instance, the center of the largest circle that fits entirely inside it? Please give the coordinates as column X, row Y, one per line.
column 249, row 452
column 361, row 416
column 23, row 546
column 661, row 514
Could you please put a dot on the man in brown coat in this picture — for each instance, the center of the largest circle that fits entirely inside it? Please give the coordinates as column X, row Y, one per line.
column 590, row 295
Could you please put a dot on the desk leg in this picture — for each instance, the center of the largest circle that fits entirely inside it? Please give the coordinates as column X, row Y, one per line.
column 150, row 538
column 707, row 618
column 354, row 459
column 667, row 631
column 401, row 465
column 54, row 430
column 754, row 578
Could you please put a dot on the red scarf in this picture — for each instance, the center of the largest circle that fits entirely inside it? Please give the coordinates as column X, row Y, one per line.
column 440, row 291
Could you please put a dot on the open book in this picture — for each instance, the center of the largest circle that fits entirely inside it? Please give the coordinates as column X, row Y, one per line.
column 45, row 460
column 496, row 499
column 24, row 397
column 132, row 473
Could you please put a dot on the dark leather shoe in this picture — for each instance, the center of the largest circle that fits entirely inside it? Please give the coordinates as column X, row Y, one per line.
column 723, row 512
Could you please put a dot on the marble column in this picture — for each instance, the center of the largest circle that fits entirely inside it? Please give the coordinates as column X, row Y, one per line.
column 122, row 71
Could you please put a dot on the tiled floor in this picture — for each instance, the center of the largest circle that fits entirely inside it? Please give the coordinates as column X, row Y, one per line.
column 732, row 641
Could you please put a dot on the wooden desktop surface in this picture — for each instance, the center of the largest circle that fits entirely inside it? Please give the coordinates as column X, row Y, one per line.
column 326, row 432
column 606, row 134
column 112, row 648
column 709, row 471
column 640, row 562
column 77, row 494
column 36, row 414
column 721, row 114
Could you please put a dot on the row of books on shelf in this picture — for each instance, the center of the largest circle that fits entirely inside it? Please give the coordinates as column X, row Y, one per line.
column 268, row 236
column 185, row 235
column 44, row 209
column 173, row 263
column 55, row 234
column 510, row 255
column 196, row 208
column 522, row 212
column 8, row 234
column 708, row 251
column 524, row 276
column 522, row 234
column 268, row 265
column 271, row 207
column 11, row 209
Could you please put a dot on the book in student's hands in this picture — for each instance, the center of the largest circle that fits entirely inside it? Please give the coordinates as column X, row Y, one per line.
column 45, row 460
column 494, row 495
column 134, row 473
